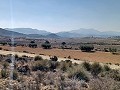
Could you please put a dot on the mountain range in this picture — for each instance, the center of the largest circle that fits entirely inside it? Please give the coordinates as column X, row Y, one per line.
column 35, row 33
column 8, row 33
column 29, row 31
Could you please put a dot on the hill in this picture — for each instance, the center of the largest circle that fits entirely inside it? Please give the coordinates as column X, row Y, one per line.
column 29, row 31
column 4, row 32
column 87, row 33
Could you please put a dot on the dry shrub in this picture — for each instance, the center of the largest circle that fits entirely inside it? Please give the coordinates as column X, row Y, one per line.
column 40, row 65
column 38, row 58
column 65, row 65
column 96, row 68
column 87, row 66
column 78, row 73
column 106, row 68
column 104, row 84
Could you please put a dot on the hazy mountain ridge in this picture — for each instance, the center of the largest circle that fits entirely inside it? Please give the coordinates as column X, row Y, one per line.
column 4, row 32
column 29, row 31
column 88, row 32
column 35, row 33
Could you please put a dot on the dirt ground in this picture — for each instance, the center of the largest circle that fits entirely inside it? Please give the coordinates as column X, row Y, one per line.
column 103, row 57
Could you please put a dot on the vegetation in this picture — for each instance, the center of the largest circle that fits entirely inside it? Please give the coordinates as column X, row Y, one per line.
column 3, row 43
column 15, row 75
column 96, row 68
column 78, row 74
column 37, row 58
column 112, row 49
column 106, row 68
column 33, row 44
column 87, row 66
column 54, row 58
column 46, row 45
column 63, row 45
column 86, row 48
column 4, row 73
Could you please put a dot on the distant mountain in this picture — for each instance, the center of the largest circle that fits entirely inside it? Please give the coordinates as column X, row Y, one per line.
column 87, row 33
column 68, row 34
column 35, row 36
column 79, row 33
column 4, row 32
column 34, row 33
column 52, row 35
column 29, row 31
column 111, row 33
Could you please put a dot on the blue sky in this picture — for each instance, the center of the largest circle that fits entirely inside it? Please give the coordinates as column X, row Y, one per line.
column 61, row 15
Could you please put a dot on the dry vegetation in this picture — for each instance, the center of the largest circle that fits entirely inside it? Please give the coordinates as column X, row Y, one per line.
column 40, row 74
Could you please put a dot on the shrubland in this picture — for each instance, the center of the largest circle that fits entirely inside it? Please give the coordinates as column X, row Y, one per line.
column 42, row 74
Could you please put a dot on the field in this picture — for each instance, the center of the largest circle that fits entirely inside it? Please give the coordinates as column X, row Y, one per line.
column 98, row 56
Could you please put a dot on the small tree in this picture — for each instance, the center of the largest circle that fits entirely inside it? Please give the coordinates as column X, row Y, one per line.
column 46, row 45
column 33, row 44
column 87, row 48
column 63, row 44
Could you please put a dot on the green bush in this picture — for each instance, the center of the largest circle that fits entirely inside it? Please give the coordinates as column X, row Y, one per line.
column 16, row 56
column 5, row 65
column 4, row 73
column 87, row 48
column 38, row 58
column 112, row 49
column 15, row 75
column 54, row 58
column 46, row 45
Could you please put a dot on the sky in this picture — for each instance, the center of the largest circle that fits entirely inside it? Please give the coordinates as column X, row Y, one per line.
column 60, row 15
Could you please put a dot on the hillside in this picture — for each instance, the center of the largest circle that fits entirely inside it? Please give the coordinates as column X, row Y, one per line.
column 29, row 31
column 87, row 33
column 4, row 32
